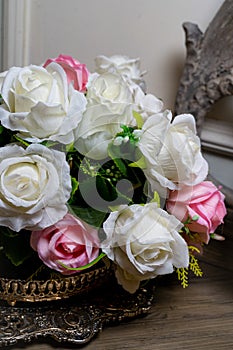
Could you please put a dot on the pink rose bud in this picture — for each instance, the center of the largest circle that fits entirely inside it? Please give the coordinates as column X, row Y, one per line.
column 203, row 202
column 76, row 72
column 70, row 242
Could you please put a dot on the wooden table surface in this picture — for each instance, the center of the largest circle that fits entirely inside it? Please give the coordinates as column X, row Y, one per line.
column 199, row 317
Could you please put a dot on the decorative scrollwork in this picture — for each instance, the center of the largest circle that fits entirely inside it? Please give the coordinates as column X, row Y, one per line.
column 208, row 69
column 13, row 290
column 74, row 321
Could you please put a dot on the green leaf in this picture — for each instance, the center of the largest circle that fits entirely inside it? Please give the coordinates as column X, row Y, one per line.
column 115, row 154
column 156, row 199
column 114, row 208
column 25, row 143
column 1, row 129
column 187, row 221
column 97, row 193
column 17, row 247
column 81, row 268
column 138, row 119
column 75, row 185
column 195, row 217
column 6, row 136
column 70, row 147
column 90, row 215
column 139, row 163
column 106, row 189
column 8, row 232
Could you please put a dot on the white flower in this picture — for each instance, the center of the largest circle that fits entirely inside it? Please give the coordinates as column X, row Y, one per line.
column 2, row 77
column 144, row 242
column 153, row 133
column 109, row 90
column 39, row 103
column 109, row 106
column 146, row 104
column 180, row 161
column 129, row 68
column 34, row 185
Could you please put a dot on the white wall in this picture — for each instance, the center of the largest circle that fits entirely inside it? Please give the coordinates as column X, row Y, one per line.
column 149, row 29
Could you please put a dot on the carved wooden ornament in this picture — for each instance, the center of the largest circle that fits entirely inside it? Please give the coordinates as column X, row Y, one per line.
column 208, row 72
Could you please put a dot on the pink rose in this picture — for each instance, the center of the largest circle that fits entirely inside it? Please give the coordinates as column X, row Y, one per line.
column 204, row 201
column 70, row 241
column 76, row 72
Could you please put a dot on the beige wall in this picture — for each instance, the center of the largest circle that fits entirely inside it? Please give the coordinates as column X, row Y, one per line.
column 149, row 29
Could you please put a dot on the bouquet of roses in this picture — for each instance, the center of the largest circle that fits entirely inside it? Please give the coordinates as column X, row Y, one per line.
column 91, row 165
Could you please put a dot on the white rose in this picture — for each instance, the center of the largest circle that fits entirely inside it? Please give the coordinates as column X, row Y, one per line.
column 2, row 77
column 180, row 161
column 109, row 106
column 110, row 90
column 34, row 185
column 129, row 68
column 153, row 133
column 146, row 104
column 39, row 103
column 144, row 242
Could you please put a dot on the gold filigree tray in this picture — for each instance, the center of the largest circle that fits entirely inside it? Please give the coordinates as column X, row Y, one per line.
column 59, row 287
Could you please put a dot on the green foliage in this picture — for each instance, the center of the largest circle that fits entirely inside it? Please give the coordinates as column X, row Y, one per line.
column 16, row 246
column 5, row 136
column 156, row 199
column 81, row 268
column 115, row 154
column 140, row 163
column 89, row 168
column 186, row 229
column 138, row 119
column 23, row 142
column 127, row 134
column 90, row 215
column 75, row 185
column 100, row 186
column 1, row 129
column 189, row 219
column 89, row 178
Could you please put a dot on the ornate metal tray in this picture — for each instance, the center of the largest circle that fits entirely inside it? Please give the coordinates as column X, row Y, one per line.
column 75, row 321
column 70, row 309
column 59, row 287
